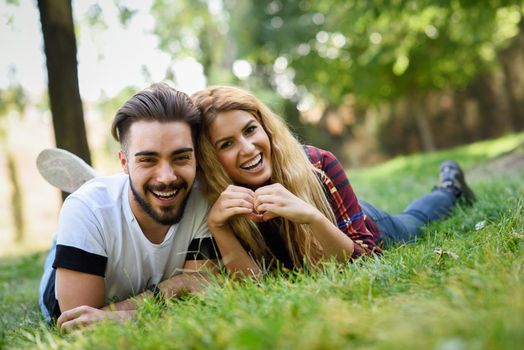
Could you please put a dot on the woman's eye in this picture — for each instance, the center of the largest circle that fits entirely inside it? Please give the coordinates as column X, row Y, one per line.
column 251, row 129
column 225, row 145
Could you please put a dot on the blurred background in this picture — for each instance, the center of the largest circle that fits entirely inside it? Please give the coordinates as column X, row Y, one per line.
column 368, row 80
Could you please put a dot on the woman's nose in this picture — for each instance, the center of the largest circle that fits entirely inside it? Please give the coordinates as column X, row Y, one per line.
column 247, row 146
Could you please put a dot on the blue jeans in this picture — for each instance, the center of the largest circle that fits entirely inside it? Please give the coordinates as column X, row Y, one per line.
column 48, row 269
column 406, row 227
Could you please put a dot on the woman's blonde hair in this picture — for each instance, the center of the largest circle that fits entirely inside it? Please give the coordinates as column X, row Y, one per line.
column 290, row 167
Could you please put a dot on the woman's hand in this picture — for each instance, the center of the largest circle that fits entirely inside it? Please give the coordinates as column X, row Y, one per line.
column 235, row 200
column 276, row 201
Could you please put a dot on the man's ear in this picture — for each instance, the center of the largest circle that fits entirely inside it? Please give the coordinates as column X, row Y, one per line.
column 123, row 162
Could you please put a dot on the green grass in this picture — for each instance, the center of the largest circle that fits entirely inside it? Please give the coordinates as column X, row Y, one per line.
column 471, row 296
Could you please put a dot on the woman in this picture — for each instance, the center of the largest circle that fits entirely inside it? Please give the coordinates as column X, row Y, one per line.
column 278, row 202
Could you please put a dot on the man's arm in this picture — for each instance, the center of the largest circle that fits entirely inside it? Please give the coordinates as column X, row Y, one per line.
column 195, row 277
column 80, row 296
column 77, row 288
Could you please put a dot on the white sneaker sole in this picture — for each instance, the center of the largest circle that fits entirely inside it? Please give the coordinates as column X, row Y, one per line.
column 63, row 169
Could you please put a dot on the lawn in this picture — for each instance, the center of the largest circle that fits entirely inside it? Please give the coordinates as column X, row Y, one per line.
column 460, row 287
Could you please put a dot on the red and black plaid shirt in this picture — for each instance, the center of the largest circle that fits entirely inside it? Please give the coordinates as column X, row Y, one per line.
column 348, row 213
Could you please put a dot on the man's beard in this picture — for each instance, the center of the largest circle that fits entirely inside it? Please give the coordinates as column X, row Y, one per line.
column 169, row 215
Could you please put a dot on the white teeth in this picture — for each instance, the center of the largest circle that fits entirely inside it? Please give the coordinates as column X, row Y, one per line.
column 164, row 194
column 252, row 163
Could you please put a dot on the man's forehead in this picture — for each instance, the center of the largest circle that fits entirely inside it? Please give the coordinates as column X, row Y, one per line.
column 154, row 134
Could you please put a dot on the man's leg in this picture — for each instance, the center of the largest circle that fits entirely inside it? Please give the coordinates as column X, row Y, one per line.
column 46, row 283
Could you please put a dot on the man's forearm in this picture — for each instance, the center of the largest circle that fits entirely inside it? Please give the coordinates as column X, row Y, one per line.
column 184, row 283
column 178, row 285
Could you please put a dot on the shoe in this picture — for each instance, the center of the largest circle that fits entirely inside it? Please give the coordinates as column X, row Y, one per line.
column 452, row 180
column 63, row 169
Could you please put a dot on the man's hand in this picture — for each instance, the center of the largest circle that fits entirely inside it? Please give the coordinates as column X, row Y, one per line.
column 85, row 316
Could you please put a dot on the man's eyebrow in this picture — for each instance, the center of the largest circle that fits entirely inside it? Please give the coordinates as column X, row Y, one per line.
column 154, row 154
column 146, row 153
column 243, row 128
column 182, row 150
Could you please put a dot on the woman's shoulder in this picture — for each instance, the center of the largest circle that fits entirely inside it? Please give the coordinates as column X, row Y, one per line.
column 318, row 155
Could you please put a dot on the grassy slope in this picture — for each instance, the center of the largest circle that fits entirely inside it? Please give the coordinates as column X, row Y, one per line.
column 471, row 297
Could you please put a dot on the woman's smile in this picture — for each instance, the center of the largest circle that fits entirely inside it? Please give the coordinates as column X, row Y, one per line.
column 243, row 147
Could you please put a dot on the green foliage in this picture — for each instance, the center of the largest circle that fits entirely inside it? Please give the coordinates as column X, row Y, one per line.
column 13, row 98
column 460, row 286
column 375, row 50
column 190, row 28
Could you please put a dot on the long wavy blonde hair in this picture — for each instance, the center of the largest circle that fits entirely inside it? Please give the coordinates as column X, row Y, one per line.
column 290, row 167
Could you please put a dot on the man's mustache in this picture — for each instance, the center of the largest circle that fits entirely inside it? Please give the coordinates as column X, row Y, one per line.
column 173, row 186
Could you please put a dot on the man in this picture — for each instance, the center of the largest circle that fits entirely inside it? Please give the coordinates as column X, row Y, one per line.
column 132, row 234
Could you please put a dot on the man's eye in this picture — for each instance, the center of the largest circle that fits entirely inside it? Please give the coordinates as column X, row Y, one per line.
column 183, row 158
column 146, row 160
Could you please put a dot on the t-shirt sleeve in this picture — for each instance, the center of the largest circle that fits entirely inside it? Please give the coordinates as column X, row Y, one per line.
column 80, row 243
column 202, row 246
column 345, row 205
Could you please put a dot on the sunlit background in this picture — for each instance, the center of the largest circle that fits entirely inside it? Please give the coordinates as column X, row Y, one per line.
column 364, row 80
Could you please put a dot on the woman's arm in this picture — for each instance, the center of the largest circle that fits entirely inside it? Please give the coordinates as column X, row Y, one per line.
column 235, row 200
column 277, row 201
column 344, row 203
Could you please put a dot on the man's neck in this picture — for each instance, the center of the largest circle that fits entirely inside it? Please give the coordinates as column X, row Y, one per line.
column 152, row 230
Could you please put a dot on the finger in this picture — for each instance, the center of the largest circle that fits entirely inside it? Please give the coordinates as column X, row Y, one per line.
column 236, row 203
column 69, row 326
column 238, row 195
column 240, row 189
column 273, row 188
column 268, row 215
column 256, row 217
column 263, row 208
column 262, row 204
column 237, row 211
column 71, row 314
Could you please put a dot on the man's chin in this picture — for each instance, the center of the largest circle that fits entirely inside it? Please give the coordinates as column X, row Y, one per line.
column 167, row 218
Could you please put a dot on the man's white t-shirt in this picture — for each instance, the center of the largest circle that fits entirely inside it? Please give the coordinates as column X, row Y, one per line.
column 98, row 234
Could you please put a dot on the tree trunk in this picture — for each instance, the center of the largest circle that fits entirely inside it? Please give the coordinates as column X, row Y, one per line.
column 17, row 207
column 424, row 129
column 459, row 112
column 60, row 49
column 16, row 199
column 482, row 91
column 513, row 104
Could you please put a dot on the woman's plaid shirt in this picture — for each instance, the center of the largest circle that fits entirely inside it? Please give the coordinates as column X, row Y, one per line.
column 350, row 218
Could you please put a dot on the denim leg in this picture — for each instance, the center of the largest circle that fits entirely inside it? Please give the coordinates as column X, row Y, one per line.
column 48, row 269
column 406, row 226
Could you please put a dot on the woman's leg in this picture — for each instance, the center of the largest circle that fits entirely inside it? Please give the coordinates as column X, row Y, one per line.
column 406, row 226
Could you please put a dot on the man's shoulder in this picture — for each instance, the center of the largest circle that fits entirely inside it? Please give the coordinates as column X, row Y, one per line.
column 197, row 200
column 103, row 190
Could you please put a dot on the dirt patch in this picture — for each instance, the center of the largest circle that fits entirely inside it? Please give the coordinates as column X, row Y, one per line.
column 507, row 163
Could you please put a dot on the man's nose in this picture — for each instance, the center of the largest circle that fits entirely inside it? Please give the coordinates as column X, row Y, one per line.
column 166, row 172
